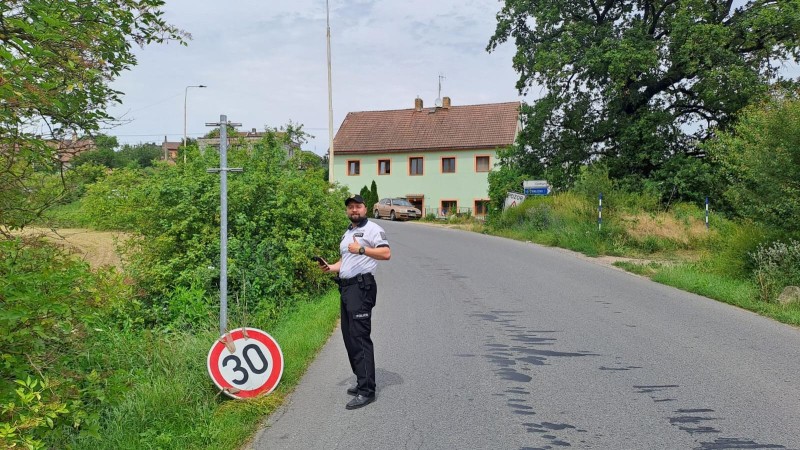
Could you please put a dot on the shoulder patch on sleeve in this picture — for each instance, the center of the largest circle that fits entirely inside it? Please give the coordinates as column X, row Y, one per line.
column 383, row 235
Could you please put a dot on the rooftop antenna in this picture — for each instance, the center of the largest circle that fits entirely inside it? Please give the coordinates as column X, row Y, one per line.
column 439, row 97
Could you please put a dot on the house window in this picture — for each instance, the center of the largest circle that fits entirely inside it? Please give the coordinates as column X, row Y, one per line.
column 354, row 167
column 481, row 207
column 481, row 164
column 449, row 207
column 415, row 166
column 384, row 166
column 448, row 165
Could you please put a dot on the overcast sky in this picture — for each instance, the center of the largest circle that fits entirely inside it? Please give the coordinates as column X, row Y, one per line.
column 265, row 64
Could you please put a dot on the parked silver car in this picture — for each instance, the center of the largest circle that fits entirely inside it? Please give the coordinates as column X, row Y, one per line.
column 396, row 209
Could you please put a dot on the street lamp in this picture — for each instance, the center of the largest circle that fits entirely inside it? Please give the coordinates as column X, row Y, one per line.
column 185, row 94
column 330, row 96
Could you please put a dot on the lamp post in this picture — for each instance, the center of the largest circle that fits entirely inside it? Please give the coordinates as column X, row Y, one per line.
column 330, row 96
column 185, row 95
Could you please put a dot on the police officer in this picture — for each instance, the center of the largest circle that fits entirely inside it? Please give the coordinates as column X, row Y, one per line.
column 363, row 245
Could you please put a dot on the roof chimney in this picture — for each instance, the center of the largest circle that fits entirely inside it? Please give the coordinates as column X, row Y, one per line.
column 418, row 104
column 446, row 103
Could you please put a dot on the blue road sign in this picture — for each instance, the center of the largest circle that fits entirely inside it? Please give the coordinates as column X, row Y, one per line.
column 536, row 191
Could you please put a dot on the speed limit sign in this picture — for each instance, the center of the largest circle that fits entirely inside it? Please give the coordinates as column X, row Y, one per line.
column 245, row 363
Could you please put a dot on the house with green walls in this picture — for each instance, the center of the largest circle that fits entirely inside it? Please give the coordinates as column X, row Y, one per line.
column 438, row 158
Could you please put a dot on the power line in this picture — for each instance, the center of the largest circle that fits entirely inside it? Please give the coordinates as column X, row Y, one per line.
column 153, row 104
column 154, row 134
column 191, row 134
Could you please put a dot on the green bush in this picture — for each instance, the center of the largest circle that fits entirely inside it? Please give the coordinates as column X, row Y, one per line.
column 732, row 243
column 501, row 181
column 51, row 309
column 114, row 202
column 131, row 156
column 761, row 158
column 777, row 265
column 595, row 180
column 592, row 181
column 535, row 214
column 540, row 216
column 278, row 217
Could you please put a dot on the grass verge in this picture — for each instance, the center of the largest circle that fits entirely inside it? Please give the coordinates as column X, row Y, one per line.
column 172, row 403
column 715, row 262
column 727, row 289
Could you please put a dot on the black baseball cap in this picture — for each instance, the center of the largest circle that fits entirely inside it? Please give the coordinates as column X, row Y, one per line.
column 354, row 198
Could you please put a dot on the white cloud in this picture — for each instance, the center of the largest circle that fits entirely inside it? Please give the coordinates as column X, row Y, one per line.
column 265, row 64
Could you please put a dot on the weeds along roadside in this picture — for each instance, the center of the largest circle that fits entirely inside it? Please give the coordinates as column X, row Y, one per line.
column 100, row 359
column 90, row 377
column 173, row 403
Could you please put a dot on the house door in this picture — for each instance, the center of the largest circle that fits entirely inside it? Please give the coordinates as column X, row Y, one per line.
column 417, row 201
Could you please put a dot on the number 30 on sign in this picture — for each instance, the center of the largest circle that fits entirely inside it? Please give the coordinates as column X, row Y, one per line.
column 245, row 363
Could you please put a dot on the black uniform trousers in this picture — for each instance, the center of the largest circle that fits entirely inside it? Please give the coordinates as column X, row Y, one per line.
column 358, row 297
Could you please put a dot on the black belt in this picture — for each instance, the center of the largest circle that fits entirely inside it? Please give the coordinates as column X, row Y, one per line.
column 360, row 278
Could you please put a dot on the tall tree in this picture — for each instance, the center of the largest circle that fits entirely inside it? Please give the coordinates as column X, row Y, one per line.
column 364, row 192
column 104, row 153
column 57, row 59
column 761, row 158
column 638, row 82
column 373, row 195
column 140, row 155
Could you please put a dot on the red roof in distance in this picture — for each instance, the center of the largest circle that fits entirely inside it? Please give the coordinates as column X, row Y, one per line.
column 466, row 127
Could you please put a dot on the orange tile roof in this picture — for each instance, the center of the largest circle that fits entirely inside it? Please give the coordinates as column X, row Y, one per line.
column 169, row 145
column 458, row 127
column 68, row 149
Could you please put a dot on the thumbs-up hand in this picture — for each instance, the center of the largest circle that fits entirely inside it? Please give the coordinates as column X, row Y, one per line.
column 354, row 246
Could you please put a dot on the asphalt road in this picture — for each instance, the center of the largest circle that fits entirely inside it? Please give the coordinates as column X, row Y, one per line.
column 488, row 343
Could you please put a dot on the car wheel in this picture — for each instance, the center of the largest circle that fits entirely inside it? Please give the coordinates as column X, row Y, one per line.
column 376, row 214
column 392, row 216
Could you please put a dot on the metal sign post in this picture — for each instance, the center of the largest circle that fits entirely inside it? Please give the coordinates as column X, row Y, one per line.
column 600, row 213
column 223, row 170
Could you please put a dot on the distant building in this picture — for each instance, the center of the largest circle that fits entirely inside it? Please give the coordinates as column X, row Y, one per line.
column 169, row 150
column 438, row 158
column 67, row 150
column 247, row 137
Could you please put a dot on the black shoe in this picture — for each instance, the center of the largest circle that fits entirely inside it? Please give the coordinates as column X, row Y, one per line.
column 352, row 391
column 360, row 401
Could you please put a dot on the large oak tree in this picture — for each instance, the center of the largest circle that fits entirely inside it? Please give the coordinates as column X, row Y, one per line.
column 638, row 84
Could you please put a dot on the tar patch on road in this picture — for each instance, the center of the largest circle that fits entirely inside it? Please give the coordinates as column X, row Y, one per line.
column 730, row 443
column 699, row 422
column 515, row 359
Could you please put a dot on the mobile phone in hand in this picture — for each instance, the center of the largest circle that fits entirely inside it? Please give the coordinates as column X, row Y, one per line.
column 320, row 261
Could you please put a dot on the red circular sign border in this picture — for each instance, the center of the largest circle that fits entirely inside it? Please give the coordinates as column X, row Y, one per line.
column 274, row 350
